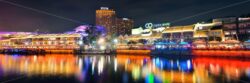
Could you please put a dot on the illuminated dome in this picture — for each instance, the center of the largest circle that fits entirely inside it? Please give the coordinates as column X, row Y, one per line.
column 81, row 28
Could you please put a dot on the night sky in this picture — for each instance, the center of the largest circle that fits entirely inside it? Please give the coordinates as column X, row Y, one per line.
column 13, row 18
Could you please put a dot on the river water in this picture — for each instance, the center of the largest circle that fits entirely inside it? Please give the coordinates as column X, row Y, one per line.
column 63, row 68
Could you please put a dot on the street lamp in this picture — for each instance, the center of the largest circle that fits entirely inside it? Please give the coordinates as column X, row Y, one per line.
column 80, row 42
column 101, row 41
column 115, row 41
column 102, row 47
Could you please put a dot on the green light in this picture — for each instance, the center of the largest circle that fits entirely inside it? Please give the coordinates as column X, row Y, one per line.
column 150, row 78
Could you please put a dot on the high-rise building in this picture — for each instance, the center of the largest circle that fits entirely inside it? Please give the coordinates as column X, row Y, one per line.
column 106, row 17
column 124, row 26
column 115, row 26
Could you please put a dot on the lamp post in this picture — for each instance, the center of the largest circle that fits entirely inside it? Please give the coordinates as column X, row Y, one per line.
column 115, row 42
column 102, row 44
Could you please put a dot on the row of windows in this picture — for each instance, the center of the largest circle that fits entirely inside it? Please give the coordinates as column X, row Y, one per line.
column 229, row 26
column 244, row 31
column 244, row 25
column 230, row 32
column 234, row 26
column 215, row 33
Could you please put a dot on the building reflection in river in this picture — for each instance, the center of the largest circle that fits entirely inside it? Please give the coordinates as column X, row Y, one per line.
column 224, row 70
column 39, row 65
column 127, row 69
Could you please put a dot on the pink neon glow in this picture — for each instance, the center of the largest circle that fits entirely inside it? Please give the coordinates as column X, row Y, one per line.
column 81, row 28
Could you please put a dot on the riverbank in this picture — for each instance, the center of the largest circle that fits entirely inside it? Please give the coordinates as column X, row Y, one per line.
column 53, row 51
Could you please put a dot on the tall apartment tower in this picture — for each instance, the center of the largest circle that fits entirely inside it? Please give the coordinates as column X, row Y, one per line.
column 106, row 17
column 124, row 26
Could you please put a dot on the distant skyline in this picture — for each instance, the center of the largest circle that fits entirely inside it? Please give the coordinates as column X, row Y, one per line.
column 13, row 18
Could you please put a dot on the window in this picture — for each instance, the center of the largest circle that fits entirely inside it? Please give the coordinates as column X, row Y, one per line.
column 242, row 31
column 227, row 33
column 248, row 30
column 229, row 26
column 233, row 32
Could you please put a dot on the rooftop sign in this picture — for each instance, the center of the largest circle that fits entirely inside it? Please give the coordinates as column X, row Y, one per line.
column 151, row 25
column 104, row 8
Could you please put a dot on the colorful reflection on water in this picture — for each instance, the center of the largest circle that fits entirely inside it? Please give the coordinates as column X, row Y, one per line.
column 122, row 69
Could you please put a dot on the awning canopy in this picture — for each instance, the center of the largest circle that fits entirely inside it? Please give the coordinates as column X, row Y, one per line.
column 153, row 36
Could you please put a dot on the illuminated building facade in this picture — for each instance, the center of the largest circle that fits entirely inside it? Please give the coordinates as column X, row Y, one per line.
column 202, row 30
column 244, row 29
column 221, row 34
column 216, row 35
column 179, row 33
column 124, row 26
column 7, row 35
column 145, row 37
column 106, row 17
column 229, row 26
column 150, row 32
column 189, row 33
column 115, row 26
column 44, row 41
column 235, row 28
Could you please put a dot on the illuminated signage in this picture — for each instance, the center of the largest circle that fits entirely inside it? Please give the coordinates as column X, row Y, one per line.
column 151, row 25
column 104, row 8
column 150, row 28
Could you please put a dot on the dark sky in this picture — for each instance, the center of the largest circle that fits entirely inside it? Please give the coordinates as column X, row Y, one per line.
column 13, row 18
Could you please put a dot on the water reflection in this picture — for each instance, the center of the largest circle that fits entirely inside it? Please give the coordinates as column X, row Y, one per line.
column 125, row 69
column 221, row 70
column 44, row 65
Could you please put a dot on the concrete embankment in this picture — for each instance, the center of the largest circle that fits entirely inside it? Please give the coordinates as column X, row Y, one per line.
column 22, row 51
column 53, row 51
column 34, row 51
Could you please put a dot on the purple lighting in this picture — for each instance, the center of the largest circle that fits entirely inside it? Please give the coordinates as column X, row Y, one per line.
column 81, row 28
column 101, row 29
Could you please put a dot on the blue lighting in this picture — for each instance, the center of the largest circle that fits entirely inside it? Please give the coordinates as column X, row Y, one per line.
column 183, row 43
column 15, row 56
column 158, row 46
column 178, row 65
column 171, row 43
column 161, row 43
column 248, row 41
